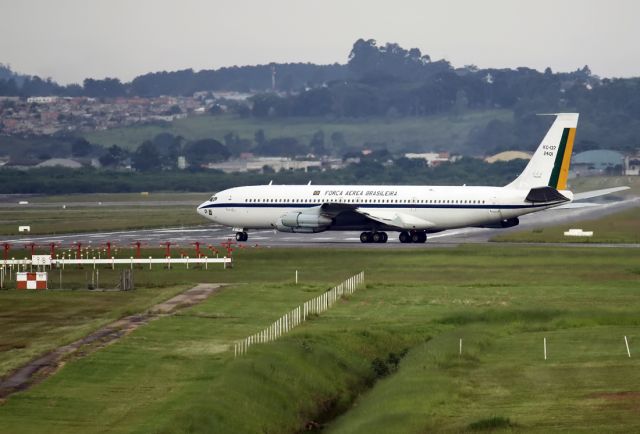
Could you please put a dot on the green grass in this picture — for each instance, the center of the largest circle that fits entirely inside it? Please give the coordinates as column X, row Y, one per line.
column 177, row 375
column 34, row 323
column 96, row 218
column 622, row 227
column 427, row 133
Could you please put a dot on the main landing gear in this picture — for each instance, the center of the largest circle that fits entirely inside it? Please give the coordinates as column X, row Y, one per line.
column 373, row 237
column 242, row 236
column 413, row 237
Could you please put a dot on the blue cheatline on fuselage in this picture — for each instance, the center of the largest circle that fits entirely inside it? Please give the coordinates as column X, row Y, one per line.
column 377, row 205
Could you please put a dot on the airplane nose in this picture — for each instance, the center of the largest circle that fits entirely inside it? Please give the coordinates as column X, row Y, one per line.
column 205, row 211
column 201, row 208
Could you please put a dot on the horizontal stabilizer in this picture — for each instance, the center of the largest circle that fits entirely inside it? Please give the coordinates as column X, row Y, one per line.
column 545, row 194
column 576, row 205
column 596, row 193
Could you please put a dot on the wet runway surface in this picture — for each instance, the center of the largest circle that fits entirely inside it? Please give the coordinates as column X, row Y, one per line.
column 211, row 234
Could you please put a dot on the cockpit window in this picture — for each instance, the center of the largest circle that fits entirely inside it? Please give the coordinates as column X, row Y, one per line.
column 213, row 198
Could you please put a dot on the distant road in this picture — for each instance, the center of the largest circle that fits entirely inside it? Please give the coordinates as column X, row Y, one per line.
column 155, row 203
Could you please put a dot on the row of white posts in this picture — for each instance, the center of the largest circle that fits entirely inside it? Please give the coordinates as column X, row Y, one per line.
column 300, row 314
column 24, row 264
column 544, row 347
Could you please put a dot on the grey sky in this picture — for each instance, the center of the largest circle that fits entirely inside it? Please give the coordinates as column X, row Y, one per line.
column 70, row 40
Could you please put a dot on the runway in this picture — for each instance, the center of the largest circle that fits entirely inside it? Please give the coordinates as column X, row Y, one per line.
column 209, row 234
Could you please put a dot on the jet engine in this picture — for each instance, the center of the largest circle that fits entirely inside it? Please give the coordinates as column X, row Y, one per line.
column 303, row 221
column 506, row 223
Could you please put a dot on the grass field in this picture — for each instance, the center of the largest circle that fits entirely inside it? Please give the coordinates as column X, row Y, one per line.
column 428, row 133
column 33, row 324
column 177, row 375
column 622, row 227
column 96, row 218
column 589, row 183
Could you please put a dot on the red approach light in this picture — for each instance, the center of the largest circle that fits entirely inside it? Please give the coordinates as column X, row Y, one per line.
column 167, row 245
column 7, row 247
column 229, row 246
column 78, row 245
column 32, row 246
column 197, row 244
column 52, row 249
column 137, row 244
column 109, row 244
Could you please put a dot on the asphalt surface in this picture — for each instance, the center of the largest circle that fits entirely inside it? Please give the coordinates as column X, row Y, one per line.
column 212, row 234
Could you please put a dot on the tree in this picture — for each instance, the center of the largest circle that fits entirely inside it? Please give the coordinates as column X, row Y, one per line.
column 269, row 104
column 114, row 157
column 169, row 147
column 80, row 148
column 314, row 102
column 281, row 146
column 146, row 158
column 259, row 137
column 317, row 143
column 206, row 151
column 338, row 141
column 107, row 88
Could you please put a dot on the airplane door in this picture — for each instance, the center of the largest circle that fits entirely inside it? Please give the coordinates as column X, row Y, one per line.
column 495, row 209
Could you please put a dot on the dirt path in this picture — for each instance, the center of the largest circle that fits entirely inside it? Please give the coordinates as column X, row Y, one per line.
column 44, row 366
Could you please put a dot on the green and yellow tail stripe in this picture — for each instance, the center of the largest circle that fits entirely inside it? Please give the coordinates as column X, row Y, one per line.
column 560, row 172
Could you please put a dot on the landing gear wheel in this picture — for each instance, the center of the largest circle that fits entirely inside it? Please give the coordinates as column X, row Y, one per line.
column 385, row 237
column 242, row 236
column 415, row 237
column 423, row 237
column 404, row 237
column 378, row 237
column 365, row 237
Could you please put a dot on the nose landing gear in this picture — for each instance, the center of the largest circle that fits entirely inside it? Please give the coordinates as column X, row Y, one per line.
column 242, row 236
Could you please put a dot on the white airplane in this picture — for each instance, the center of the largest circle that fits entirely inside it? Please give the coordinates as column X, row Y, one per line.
column 414, row 211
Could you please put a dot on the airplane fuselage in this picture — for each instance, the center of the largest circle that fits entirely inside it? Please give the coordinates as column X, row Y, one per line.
column 427, row 208
column 414, row 211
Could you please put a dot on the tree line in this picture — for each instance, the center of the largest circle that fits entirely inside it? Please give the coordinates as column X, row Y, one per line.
column 388, row 80
column 368, row 171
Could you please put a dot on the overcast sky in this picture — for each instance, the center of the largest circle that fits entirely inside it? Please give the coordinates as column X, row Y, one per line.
column 70, row 40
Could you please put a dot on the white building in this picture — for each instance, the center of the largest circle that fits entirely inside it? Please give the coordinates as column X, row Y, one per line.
column 257, row 164
column 432, row 158
column 42, row 99
column 632, row 165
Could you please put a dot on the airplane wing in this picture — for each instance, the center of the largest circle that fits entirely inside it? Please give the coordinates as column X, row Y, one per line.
column 332, row 209
column 397, row 219
column 596, row 193
column 389, row 218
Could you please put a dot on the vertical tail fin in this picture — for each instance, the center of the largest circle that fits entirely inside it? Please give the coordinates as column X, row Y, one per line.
column 549, row 166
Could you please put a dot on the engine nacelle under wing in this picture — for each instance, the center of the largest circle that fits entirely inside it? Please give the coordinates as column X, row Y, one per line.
column 506, row 223
column 305, row 222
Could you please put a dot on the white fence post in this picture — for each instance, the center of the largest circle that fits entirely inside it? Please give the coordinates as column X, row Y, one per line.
column 300, row 314
column 626, row 342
